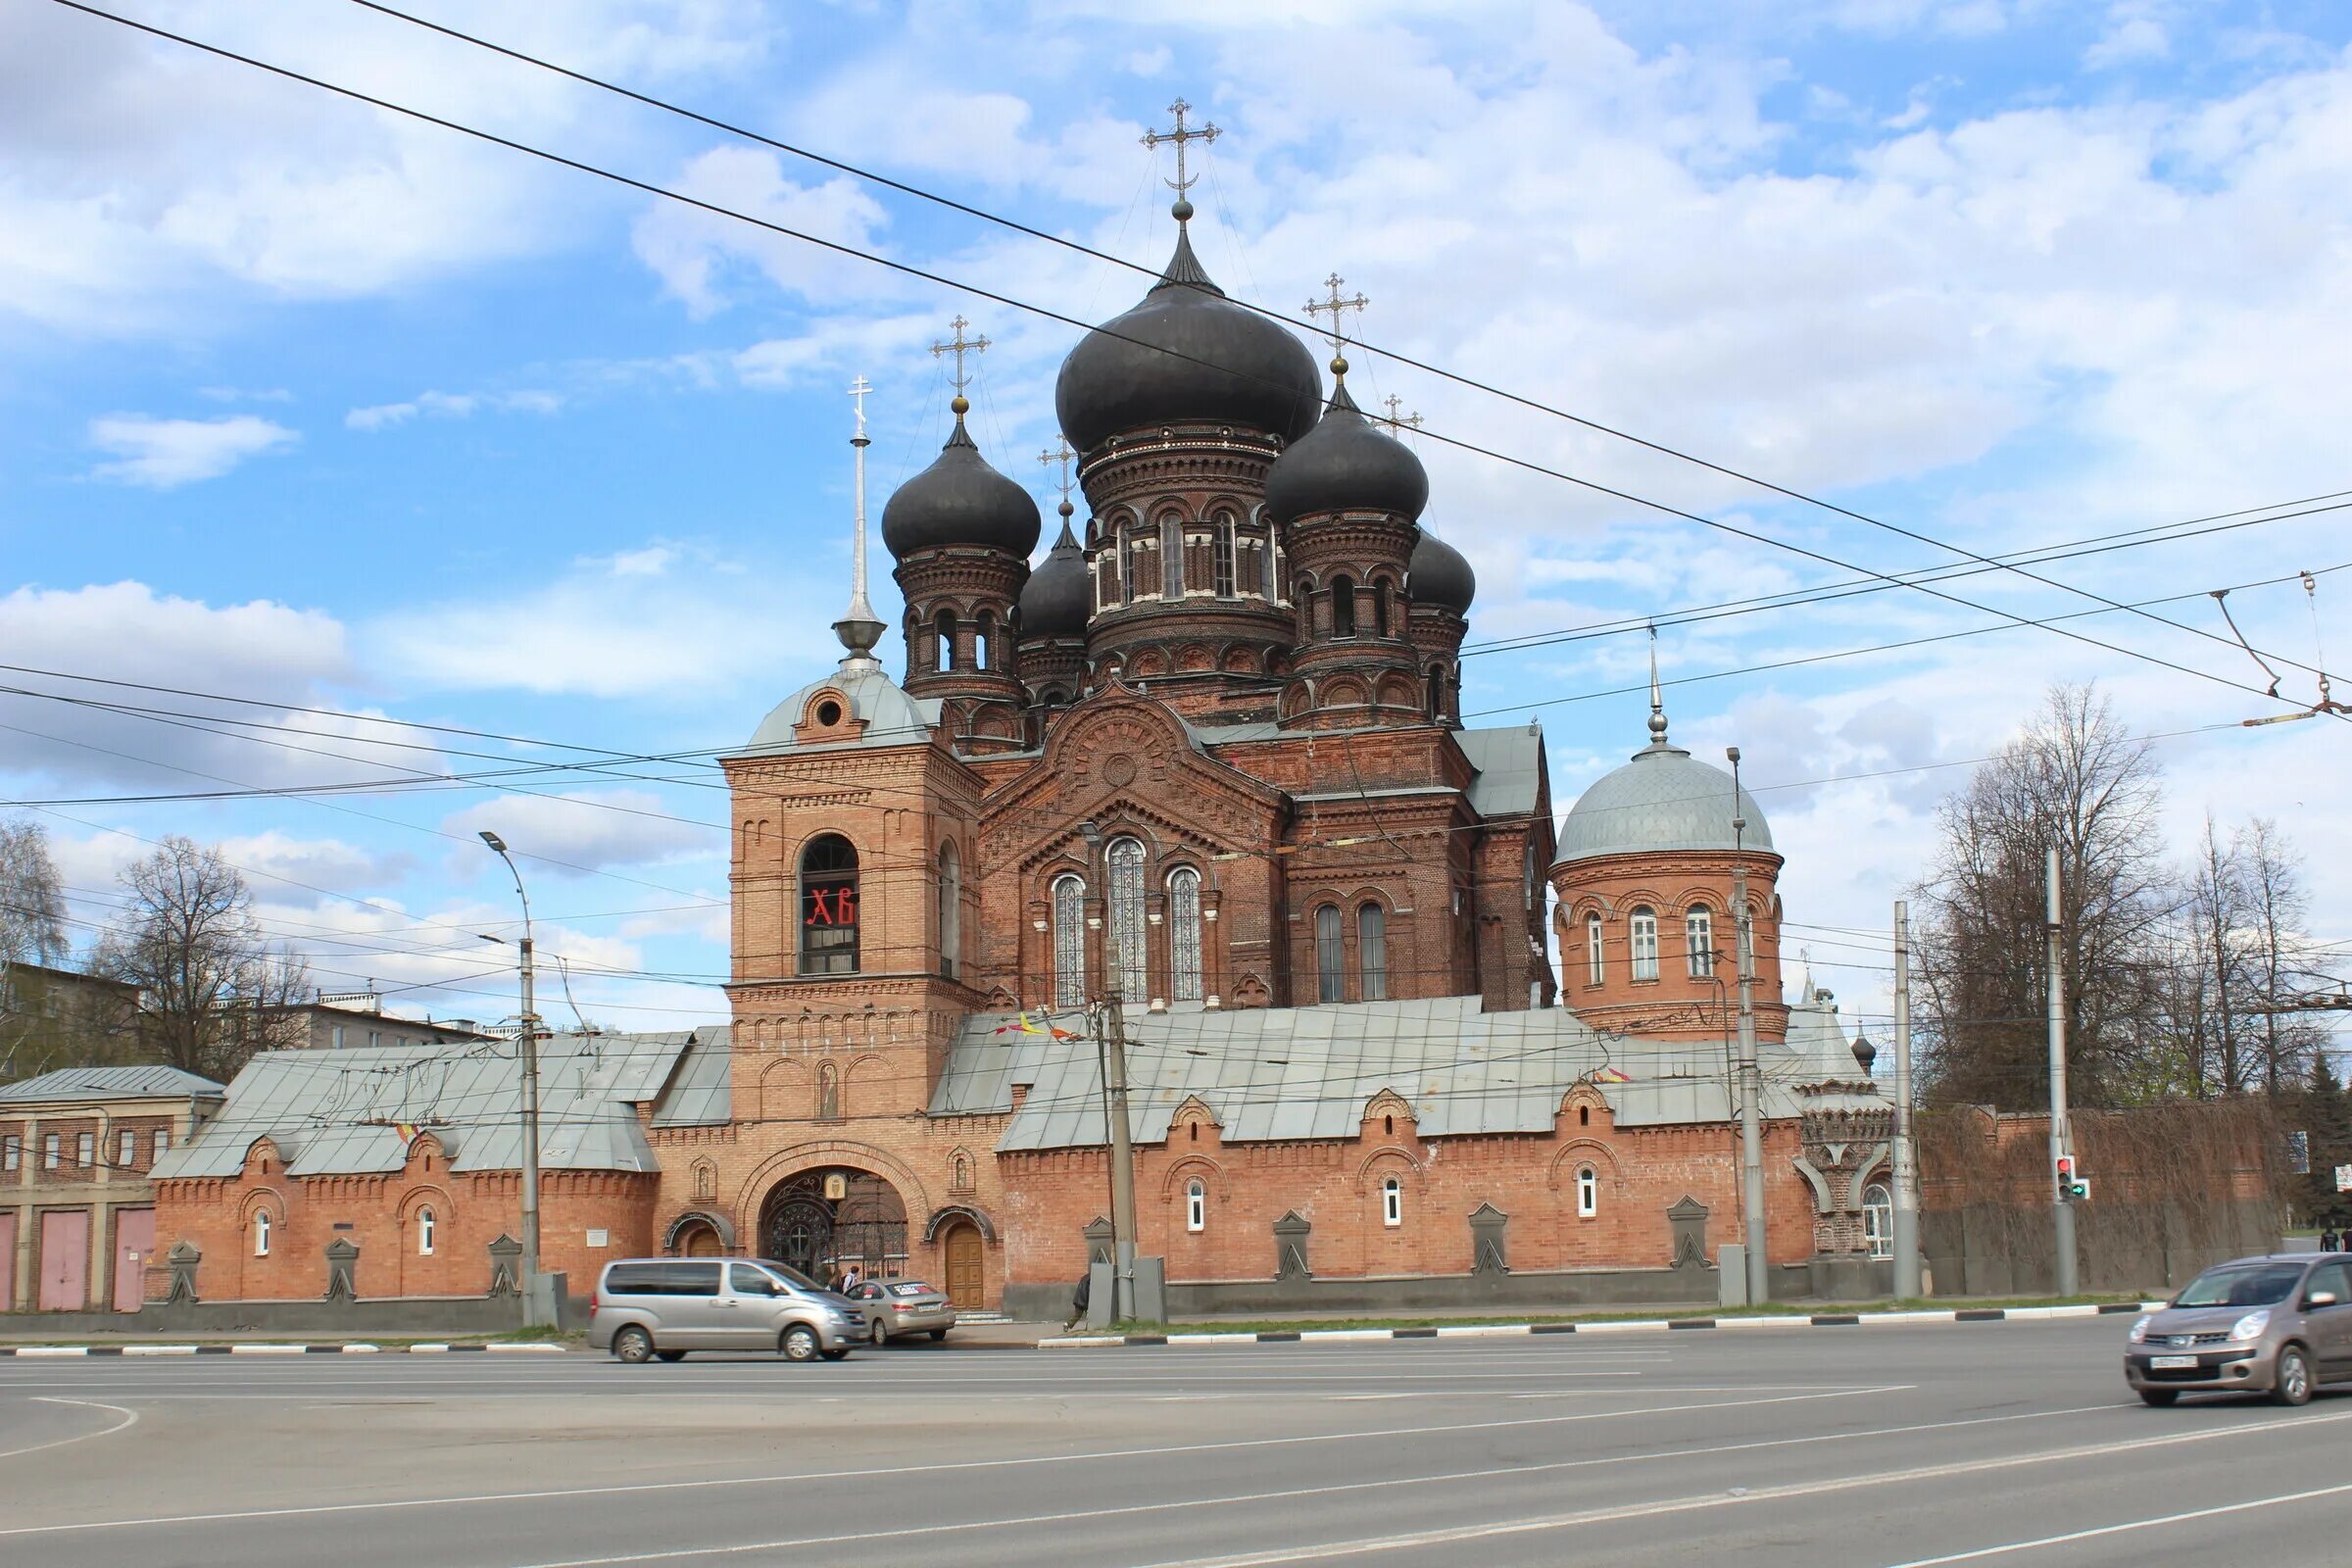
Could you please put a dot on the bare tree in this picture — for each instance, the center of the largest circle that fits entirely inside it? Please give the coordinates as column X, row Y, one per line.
column 211, row 988
column 32, row 935
column 2278, row 904
column 2078, row 780
column 2217, row 904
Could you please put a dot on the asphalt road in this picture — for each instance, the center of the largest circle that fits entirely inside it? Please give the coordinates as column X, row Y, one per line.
column 2008, row 1443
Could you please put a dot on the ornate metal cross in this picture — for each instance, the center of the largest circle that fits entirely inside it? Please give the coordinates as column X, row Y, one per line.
column 1180, row 135
column 1334, row 307
column 1062, row 453
column 959, row 346
column 858, row 391
column 1392, row 403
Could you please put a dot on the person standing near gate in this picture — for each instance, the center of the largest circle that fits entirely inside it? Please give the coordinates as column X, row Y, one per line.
column 852, row 1278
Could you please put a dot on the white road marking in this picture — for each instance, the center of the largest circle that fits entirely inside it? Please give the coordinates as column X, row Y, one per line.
column 1021, row 1462
column 1546, row 1467
column 2124, row 1529
column 129, row 1418
column 1460, row 1535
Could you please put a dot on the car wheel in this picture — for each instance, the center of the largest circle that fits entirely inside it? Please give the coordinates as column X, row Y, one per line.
column 2292, row 1384
column 876, row 1334
column 673, row 1355
column 633, row 1346
column 2159, row 1397
column 800, row 1344
column 835, row 1355
column 939, row 1334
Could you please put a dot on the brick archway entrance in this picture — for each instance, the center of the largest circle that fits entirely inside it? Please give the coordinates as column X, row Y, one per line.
column 822, row 1221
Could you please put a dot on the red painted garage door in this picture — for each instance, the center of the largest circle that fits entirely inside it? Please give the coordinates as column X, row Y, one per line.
column 134, row 1238
column 64, row 1261
column 7, row 1262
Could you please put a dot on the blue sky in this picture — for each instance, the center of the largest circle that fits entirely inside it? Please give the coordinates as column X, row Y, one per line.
column 311, row 406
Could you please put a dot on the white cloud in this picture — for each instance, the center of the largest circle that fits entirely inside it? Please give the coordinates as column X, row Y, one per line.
column 2131, row 36
column 165, row 454
column 449, row 406
column 589, row 829
column 699, row 255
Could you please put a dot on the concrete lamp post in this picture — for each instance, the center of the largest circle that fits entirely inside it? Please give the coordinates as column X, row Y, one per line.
column 538, row 1302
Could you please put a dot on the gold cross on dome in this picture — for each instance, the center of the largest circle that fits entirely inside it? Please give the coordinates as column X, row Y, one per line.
column 1062, row 453
column 959, row 346
column 1334, row 307
column 1396, row 423
column 1180, row 135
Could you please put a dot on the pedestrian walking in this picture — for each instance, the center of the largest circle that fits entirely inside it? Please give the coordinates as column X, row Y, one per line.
column 2329, row 1240
column 852, row 1280
column 1079, row 1298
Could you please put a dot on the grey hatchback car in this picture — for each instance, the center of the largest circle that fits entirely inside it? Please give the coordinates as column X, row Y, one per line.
column 671, row 1306
column 2280, row 1325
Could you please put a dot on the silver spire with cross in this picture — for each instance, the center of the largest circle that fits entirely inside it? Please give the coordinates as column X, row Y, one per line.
column 859, row 628
column 1335, row 305
column 1657, row 693
column 959, row 346
column 1208, row 132
column 1397, row 421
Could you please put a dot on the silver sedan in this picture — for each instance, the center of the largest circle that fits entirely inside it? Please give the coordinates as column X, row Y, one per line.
column 894, row 1308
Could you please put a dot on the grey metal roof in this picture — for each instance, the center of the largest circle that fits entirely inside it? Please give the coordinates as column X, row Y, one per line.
column 1276, row 1074
column 1664, row 799
column 892, row 718
column 700, row 1091
column 334, row 1112
column 1510, row 759
column 144, row 1082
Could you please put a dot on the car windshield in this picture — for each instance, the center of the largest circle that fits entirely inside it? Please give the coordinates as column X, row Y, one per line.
column 2242, row 1285
column 789, row 1274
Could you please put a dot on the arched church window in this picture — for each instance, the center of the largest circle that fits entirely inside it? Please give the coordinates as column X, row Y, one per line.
column 942, row 656
column 1372, row 951
column 1195, row 1207
column 1222, row 545
column 1588, row 1192
column 260, row 1233
column 1130, row 965
column 951, row 908
column 1183, row 934
column 1379, row 609
column 984, row 642
column 1392, row 1201
column 1171, row 557
column 1877, row 1221
column 1343, row 607
column 1645, row 930
column 1437, row 692
column 1594, row 971
column 829, row 905
column 1331, row 958
column 1131, row 549
column 1069, row 941
column 1698, row 935
column 424, row 1233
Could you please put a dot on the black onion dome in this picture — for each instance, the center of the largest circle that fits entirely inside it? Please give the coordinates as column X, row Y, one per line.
column 1439, row 575
column 1345, row 465
column 960, row 500
column 1058, row 596
column 1187, row 355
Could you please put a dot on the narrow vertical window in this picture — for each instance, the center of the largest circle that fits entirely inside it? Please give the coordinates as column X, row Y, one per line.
column 12, row 1153
column 1698, row 935
column 1171, row 558
column 1130, row 552
column 49, row 1148
column 1645, row 930
column 1372, row 951
column 85, row 1149
column 1331, row 957
column 951, row 908
column 1588, row 1192
column 984, row 642
column 127, row 1150
column 1221, row 543
column 829, row 905
column 424, row 1233
column 1343, row 607
column 260, row 1233
column 1069, row 942
column 1183, row 934
column 1877, row 1221
column 1594, row 971
column 1195, row 1207
column 1437, row 692
column 944, row 639
column 163, row 1143
column 1392, row 1201
column 1379, row 609
column 1129, row 949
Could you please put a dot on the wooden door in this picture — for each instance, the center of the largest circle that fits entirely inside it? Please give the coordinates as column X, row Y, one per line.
column 134, row 1248
column 966, row 1284
column 64, row 1261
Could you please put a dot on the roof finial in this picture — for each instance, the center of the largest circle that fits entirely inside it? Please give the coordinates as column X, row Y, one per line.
column 959, row 346
column 1183, row 207
column 1336, row 307
column 1657, row 696
column 1062, row 453
column 859, row 628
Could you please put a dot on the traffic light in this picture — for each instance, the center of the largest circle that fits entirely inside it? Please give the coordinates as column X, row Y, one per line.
column 2071, row 1187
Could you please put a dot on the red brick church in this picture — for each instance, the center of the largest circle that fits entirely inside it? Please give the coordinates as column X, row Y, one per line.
column 1203, row 762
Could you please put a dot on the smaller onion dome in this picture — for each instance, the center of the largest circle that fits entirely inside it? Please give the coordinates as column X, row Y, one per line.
column 1057, row 598
column 960, row 500
column 1438, row 576
column 1345, row 464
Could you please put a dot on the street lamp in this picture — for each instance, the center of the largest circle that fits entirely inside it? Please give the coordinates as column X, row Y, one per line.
column 536, row 1308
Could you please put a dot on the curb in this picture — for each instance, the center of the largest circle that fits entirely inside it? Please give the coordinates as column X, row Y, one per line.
column 1797, row 1320
column 45, row 1351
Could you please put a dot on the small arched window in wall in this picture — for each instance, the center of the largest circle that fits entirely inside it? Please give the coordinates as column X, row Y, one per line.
column 1588, row 1192
column 1379, row 609
column 1331, row 957
column 1437, row 692
column 984, row 642
column 1131, row 550
column 1195, row 1207
column 424, row 1233
column 1183, row 934
column 1594, row 969
column 1343, row 607
column 1878, row 1220
column 260, row 1233
column 1171, row 557
column 1222, row 546
column 1069, row 941
column 942, row 650
column 1645, row 929
column 1392, row 1201
column 829, row 905
column 951, row 909
column 1698, row 935
column 1130, row 950
column 1372, row 951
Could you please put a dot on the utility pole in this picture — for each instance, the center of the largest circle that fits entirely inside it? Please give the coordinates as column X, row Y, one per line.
column 536, row 1308
column 1113, row 1035
column 1906, row 1153
column 1752, row 1077
column 2061, row 1141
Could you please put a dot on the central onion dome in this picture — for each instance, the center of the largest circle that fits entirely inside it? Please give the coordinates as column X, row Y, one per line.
column 1439, row 575
column 1345, row 465
column 1059, row 594
column 1186, row 355
column 960, row 500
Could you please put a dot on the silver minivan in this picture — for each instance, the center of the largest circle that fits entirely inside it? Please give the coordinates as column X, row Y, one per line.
column 2280, row 1325
column 670, row 1306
